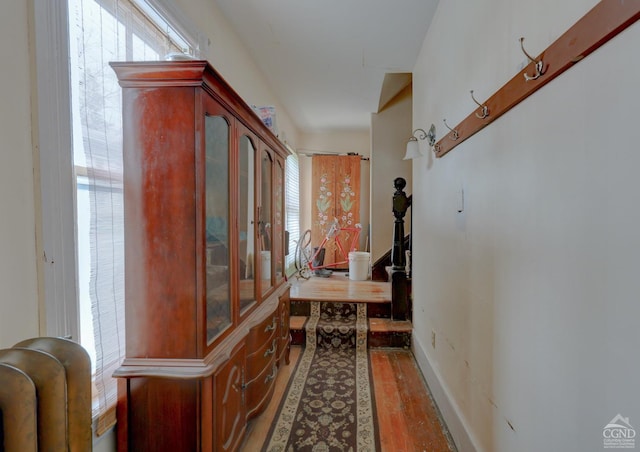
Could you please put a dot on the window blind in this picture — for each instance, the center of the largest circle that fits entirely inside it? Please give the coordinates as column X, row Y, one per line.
column 292, row 208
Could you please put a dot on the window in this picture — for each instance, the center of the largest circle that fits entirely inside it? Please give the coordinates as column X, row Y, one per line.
column 80, row 141
column 292, row 208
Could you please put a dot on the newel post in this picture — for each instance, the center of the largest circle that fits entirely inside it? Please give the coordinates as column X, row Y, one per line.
column 399, row 292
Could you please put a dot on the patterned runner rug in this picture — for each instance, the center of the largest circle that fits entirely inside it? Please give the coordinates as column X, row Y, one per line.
column 329, row 404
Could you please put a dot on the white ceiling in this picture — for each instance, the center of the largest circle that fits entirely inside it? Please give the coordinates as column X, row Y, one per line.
column 326, row 59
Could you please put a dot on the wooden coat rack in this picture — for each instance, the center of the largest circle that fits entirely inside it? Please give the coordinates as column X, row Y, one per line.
column 602, row 23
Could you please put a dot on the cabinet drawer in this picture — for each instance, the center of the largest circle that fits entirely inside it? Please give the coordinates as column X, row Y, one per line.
column 262, row 332
column 256, row 362
column 259, row 391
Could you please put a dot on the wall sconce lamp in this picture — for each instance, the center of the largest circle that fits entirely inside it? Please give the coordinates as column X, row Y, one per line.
column 413, row 147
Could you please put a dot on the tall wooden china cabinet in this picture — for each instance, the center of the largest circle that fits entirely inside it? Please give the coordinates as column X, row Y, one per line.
column 207, row 305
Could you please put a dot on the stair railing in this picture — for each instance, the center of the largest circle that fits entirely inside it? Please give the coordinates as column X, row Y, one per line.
column 399, row 284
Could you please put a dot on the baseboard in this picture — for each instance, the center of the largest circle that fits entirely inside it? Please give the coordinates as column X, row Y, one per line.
column 448, row 408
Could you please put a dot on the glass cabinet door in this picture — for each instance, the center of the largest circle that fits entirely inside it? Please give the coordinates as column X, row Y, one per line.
column 266, row 226
column 217, row 225
column 278, row 229
column 246, row 222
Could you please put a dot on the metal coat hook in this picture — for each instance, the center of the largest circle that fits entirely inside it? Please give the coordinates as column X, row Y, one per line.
column 485, row 109
column 539, row 65
column 454, row 133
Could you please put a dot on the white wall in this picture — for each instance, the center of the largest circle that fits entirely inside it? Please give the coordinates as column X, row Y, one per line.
column 230, row 57
column 390, row 130
column 18, row 275
column 335, row 142
column 532, row 291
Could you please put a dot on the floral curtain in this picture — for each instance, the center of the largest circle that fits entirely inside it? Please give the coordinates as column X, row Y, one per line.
column 336, row 195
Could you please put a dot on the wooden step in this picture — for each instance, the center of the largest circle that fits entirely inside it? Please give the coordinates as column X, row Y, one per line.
column 375, row 309
column 382, row 332
column 296, row 328
column 389, row 333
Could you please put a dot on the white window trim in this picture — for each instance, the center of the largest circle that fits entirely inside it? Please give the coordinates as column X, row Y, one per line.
column 53, row 140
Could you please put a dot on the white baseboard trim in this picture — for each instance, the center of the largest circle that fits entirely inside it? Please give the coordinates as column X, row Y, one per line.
column 448, row 408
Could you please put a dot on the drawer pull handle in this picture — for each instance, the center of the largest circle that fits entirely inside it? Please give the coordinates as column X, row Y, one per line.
column 272, row 326
column 272, row 350
column 268, row 378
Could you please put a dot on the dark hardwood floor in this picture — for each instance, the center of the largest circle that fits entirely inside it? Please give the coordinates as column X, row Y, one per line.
column 407, row 417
